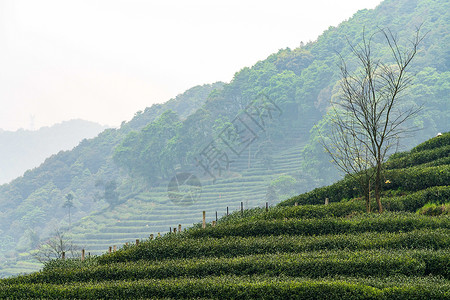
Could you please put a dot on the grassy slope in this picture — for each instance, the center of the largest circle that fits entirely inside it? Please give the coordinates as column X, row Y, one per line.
column 308, row 251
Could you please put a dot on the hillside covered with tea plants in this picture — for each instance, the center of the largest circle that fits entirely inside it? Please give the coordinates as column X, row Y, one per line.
column 300, row 249
column 120, row 179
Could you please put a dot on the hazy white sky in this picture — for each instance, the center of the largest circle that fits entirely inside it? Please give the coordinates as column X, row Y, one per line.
column 103, row 60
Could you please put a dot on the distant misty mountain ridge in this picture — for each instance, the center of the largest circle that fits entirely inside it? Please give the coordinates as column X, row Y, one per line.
column 23, row 149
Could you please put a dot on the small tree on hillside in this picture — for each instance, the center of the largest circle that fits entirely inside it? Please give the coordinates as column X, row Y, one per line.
column 69, row 204
column 350, row 156
column 367, row 120
column 271, row 194
column 109, row 194
column 54, row 247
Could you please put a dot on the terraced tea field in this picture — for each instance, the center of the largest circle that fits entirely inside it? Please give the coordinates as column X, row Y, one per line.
column 152, row 211
column 304, row 251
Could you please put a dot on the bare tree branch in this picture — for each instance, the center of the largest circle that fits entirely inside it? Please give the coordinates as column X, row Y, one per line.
column 367, row 120
column 54, row 247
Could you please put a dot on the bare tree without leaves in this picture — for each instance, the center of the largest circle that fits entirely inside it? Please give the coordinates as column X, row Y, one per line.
column 349, row 154
column 369, row 118
column 54, row 247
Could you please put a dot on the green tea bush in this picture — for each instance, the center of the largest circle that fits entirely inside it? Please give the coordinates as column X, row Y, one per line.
column 410, row 179
column 347, row 188
column 433, row 143
column 232, row 287
column 387, row 222
column 410, row 202
column 339, row 209
column 70, row 263
column 438, row 162
column 418, row 158
column 417, row 178
column 308, row 264
column 414, row 201
column 425, row 166
column 183, row 247
column 433, row 209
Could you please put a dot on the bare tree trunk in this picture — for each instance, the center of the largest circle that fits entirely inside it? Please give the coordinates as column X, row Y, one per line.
column 368, row 116
column 378, row 187
column 367, row 195
column 364, row 183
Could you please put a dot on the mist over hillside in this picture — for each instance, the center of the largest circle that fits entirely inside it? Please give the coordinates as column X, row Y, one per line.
column 25, row 149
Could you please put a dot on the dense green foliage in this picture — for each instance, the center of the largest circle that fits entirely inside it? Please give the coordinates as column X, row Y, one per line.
column 242, row 287
column 433, row 209
column 180, row 247
column 306, row 264
column 387, row 222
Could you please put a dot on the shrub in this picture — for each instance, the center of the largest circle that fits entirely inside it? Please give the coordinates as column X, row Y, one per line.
column 418, row 158
column 414, row 201
column 242, row 287
column 307, row 264
column 410, row 179
column 231, row 246
column 432, row 209
column 387, row 222
column 435, row 142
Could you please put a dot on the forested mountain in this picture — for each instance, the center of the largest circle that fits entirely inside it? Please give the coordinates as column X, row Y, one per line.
column 33, row 203
column 128, row 170
column 25, row 149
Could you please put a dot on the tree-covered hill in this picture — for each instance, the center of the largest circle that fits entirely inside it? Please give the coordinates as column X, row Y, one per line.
column 31, row 206
column 120, row 180
column 299, row 249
